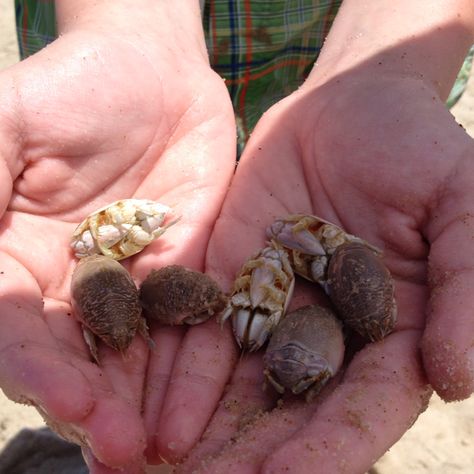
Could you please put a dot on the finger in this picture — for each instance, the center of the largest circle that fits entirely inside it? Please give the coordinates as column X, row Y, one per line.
column 69, row 390
column 245, row 448
column 10, row 139
column 203, row 364
column 64, row 327
column 113, row 428
column 381, row 394
column 243, row 408
column 447, row 345
column 167, row 342
column 245, row 451
column 33, row 369
column 7, row 182
column 127, row 371
column 96, row 467
column 32, row 373
column 243, row 401
column 112, row 431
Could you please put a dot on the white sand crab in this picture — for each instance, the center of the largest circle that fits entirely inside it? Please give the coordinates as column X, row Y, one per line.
column 121, row 229
column 260, row 297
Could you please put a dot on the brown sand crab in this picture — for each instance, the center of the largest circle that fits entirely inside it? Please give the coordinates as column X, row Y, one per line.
column 177, row 295
column 305, row 350
column 362, row 290
column 105, row 300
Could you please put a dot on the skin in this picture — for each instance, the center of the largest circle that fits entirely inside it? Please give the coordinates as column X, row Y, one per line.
column 396, row 215
column 161, row 128
column 367, row 144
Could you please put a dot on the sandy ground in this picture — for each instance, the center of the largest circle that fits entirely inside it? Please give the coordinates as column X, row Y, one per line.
column 440, row 442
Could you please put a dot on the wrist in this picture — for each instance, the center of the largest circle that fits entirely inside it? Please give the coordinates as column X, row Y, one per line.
column 176, row 23
column 425, row 40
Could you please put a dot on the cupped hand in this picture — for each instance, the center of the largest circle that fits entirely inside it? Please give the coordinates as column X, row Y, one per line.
column 383, row 158
column 96, row 117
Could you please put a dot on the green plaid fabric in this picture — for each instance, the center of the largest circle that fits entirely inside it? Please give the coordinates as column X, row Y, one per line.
column 461, row 81
column 36, row 25
column 264, row 49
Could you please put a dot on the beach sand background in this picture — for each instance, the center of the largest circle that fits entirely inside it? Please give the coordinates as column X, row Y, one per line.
column 440, row 442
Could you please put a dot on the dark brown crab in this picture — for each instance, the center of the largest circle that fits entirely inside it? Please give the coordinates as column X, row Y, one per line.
column 362, row 290
column 177, row 295
column 105, row 300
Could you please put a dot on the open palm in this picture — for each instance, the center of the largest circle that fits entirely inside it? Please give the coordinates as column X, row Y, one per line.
column 385, row 160
column 89, row 120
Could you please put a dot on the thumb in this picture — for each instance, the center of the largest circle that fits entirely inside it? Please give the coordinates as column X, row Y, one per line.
column 447, row 345
column 11, row 136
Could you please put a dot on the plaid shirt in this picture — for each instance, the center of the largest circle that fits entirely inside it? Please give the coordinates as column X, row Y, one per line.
column 264, row 49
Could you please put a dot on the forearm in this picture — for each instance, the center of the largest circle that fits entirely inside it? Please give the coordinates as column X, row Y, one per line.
column 176, row 21
column 424, row 39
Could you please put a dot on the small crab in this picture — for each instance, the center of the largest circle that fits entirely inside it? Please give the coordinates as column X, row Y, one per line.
column 105, row 300
column 260, row 297
column 121, row 229
column 305, row 351
column 177, row 295
column 362, row 290
column 310, row 242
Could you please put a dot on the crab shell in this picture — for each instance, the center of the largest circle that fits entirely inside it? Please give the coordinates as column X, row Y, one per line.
column 262, row 291
column 305, row 351
column 105, row 300
column 177, row 295
column 310, row 241
column 362, row 290
column 120, row 229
